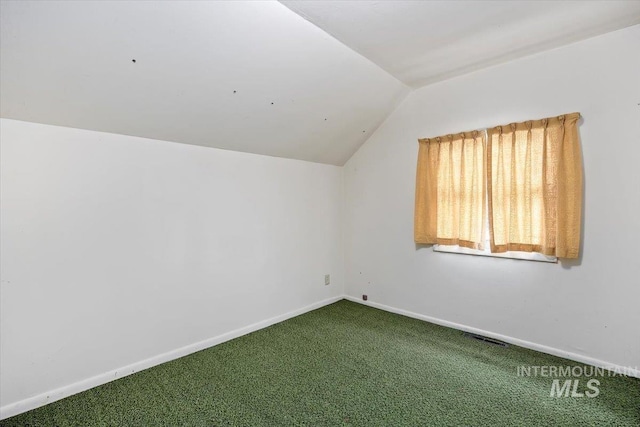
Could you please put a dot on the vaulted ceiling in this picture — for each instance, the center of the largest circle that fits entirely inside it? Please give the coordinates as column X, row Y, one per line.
column 244, row 76
column 421, row 42
column 255, row 76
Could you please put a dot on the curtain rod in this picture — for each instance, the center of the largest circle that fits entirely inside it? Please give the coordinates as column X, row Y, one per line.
column 554, row 120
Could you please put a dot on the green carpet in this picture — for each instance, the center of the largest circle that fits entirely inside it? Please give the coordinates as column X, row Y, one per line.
column 345, row 364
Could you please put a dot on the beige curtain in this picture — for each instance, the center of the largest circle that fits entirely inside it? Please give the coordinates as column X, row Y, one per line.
column 535, row 186
column 450, row 190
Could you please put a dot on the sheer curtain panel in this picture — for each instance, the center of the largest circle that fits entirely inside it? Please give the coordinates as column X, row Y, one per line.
column 534, row 175
column 450, row 190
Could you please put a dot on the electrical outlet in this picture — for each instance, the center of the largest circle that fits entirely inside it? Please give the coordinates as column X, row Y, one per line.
column 364, row 297
column 327, row 279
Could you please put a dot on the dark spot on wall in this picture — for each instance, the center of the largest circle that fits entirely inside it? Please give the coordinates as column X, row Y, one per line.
column 133, row 60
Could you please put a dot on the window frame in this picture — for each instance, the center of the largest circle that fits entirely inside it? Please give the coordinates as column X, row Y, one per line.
column 526, row 256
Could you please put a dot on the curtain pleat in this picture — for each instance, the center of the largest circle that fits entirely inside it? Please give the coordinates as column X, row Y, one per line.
column 535, row 186
column 450, row 190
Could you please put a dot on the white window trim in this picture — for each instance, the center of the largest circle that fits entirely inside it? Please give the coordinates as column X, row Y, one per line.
column 527, row 256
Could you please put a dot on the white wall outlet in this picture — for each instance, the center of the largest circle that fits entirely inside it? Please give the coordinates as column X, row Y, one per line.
column 327, row 279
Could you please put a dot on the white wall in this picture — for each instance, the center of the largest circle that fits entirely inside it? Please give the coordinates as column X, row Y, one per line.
column 117, row 249
column 589, row 308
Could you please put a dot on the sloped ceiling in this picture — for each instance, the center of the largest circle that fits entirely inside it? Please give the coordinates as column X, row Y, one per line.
column 245, row 76
column 421, row 42
column 253, row 75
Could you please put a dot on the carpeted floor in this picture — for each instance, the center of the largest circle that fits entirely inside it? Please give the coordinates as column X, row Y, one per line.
column 346, row 364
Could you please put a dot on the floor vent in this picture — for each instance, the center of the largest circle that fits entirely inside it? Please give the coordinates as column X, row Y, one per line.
column 486, row 339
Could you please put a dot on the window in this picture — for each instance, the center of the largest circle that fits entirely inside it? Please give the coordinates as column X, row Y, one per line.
column 485, row 250
column 514, row 191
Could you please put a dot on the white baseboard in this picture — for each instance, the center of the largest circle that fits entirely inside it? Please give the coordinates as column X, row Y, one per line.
column 629, row 371
column 80, row 386
column 68, row 390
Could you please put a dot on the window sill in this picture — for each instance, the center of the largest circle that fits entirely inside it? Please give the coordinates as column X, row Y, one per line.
column 527, row 256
